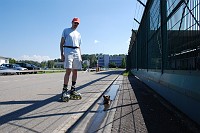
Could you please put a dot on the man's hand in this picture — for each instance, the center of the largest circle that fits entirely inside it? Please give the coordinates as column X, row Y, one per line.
column 62, row 57
column 61, row 48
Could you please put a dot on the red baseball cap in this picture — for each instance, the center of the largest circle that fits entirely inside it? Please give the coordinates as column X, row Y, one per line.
column 76, row 20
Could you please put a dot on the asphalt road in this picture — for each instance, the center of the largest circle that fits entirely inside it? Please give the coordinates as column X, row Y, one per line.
column 31, row 103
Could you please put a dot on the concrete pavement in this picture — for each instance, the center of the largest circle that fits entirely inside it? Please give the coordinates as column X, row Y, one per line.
column 135, row 109
column 30, row 103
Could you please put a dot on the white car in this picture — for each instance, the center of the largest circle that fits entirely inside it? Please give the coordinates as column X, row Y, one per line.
column 14, row 67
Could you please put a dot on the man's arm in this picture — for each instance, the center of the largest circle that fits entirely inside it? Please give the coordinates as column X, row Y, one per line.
column 80, row 41
column 61, row 48
column 80, row 54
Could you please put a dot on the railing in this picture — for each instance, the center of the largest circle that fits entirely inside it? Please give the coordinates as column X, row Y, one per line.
column 168, row 37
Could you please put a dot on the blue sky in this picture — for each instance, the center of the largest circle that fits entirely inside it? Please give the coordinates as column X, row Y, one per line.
column 31, row 29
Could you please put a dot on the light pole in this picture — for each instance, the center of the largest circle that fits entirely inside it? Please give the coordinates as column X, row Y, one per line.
column 97, row 69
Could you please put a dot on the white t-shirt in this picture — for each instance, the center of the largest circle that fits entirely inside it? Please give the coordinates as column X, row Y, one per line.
column 72, row 37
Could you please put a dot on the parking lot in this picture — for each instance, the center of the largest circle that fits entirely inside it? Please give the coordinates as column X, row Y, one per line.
column 31, row 103
column 21, row 72
column 18, row 68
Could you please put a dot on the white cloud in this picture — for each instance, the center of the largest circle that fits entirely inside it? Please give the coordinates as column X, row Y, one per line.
column 96, row 41
column 38, row 58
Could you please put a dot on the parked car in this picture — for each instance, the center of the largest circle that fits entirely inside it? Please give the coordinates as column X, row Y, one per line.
column 29, row 66
column 18, row 67
column 35, row 67
column 3, row 67
column 14, row 66
column 26, row 65
column 7, row 69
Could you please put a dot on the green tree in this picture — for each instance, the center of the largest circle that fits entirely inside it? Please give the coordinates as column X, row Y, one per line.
column 30, row 62
column 84, row 66
column 12, row 61
column 43, row 64
column 123, row 65
column 93, row 60
column 50, row 64
column 112, row 65
column 85, row 56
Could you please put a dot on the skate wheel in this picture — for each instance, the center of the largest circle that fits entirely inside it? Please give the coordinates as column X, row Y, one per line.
column 65, row 99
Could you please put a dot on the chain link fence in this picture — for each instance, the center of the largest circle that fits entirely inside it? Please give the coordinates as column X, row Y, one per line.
column 168, row 37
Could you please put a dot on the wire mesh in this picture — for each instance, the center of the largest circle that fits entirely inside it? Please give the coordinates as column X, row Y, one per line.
column 168, row 37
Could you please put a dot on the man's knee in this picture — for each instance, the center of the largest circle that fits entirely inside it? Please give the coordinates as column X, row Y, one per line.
column 74, row 71
column 68, row 71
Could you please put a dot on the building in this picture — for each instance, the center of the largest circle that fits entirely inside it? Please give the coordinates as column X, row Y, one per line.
column 102, row 61
column 105, row 60
column 4, row 60
column 116, row 59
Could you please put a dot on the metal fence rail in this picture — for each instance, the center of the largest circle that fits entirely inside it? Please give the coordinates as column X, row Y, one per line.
column 168, row 37
column 165, row 52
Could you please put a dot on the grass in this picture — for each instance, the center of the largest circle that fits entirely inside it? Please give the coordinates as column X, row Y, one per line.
column 50, row 71
column 127, row 73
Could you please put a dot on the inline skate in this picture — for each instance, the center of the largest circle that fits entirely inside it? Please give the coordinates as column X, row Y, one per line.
column 65, row 95
column 74, row 94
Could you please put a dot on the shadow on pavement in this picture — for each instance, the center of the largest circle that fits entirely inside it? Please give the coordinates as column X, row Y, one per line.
column 159, row 115
column 110, row 72
column 16, row 114
column 35, row 104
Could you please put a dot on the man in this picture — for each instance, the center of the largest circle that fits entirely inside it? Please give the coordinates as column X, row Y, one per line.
column 71, row 55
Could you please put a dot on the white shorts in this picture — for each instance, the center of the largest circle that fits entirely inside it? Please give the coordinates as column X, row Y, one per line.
column 72, row 58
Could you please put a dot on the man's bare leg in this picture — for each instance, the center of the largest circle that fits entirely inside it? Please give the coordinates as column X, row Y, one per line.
column 65, row 95
column 74, row 75
column 66, row 77
column 73, row 88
